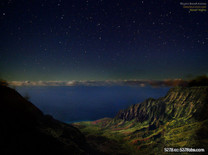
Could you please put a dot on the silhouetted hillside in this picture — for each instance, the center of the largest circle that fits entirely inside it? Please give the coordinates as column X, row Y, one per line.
column 26, row 130
column 199, row 81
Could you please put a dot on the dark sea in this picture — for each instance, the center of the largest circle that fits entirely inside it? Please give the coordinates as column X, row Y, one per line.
column 82, row 103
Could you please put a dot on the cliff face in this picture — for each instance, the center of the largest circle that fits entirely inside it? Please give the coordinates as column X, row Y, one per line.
column 179, row 102
column 180, row 119
column 26, row 130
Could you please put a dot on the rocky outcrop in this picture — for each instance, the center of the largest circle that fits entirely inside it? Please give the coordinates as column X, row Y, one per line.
column 190, row 102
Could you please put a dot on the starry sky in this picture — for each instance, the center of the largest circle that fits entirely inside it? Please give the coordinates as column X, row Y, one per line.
column 60, row 40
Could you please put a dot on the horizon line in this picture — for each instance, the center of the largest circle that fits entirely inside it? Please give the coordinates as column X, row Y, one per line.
column 134, row 82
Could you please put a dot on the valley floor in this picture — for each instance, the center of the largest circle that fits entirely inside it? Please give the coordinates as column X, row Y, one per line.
column 130, row 137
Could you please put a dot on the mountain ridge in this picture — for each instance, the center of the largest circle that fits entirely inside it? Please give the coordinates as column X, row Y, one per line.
column 179, row 119
column 26, row 130
column 179, row 96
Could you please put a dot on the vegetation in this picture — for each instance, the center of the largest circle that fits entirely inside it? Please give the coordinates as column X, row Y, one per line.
column 177, row 120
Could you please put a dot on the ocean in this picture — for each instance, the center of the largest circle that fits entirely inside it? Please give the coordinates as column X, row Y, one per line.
column 82, row 103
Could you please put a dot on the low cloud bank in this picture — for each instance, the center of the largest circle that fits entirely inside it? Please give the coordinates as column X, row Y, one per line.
column 141, row 83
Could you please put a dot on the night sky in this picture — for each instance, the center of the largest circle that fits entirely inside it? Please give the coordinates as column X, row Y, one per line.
column 60, row 40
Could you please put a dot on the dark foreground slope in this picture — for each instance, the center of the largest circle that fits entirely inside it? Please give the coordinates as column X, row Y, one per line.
column 178, row 120
column 25, row 130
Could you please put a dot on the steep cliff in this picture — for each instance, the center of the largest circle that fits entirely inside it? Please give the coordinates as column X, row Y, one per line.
column 26, row 130
column 189, row 102
column 180, row 119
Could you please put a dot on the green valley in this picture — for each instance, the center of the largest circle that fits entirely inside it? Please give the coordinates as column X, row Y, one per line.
column 178, row 120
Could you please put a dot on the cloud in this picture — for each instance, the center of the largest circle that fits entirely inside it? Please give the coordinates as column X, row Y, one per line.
column 140, row 83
